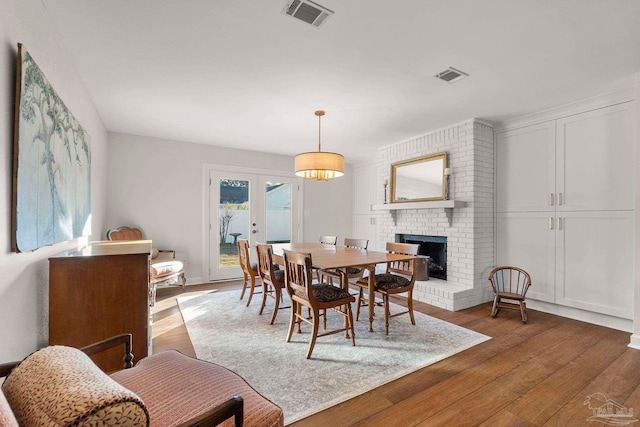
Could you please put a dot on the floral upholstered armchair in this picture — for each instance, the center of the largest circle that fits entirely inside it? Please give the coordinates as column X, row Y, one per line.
column 165, row 268
column 61, row 386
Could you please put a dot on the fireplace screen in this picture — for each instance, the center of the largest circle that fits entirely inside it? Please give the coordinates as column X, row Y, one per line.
column 435, row 247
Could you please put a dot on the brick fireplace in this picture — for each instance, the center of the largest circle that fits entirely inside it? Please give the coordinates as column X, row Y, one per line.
column 468, row 230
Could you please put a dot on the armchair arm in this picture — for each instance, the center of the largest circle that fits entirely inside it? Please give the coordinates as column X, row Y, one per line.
column 232, row 407
column 6, row 368
column 124, row 339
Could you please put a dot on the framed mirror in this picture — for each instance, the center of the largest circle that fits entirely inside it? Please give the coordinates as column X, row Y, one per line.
column 420, row 179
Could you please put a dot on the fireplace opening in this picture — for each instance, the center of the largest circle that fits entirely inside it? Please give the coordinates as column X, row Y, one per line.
column 435, row 247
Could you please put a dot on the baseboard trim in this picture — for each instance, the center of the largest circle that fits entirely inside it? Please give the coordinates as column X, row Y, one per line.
column 612, row 322
column 634, row 342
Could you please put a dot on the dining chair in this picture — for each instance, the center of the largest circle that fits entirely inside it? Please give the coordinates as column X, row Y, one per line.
column 299, row 282
column 510, row 286
column 325, row 240
column 328, row 240
column 249, row 270
column 399, row 278
column 272, row 279
column 352, row 272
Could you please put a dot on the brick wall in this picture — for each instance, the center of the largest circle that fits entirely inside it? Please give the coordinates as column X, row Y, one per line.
column 469, row 230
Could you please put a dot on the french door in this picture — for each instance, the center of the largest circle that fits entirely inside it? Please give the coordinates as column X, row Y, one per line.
column 260, row 208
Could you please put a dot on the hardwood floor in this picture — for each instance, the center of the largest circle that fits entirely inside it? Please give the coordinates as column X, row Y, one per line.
column 527, row 375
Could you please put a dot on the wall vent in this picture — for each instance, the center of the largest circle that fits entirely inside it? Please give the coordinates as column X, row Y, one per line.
column 308, row 11
column 451, row 75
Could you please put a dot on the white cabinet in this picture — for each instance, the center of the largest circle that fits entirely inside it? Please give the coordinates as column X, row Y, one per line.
column 364, row 195
column 525, row 240
column 595, row 159
column 594, row 262
column 564, row 208
column 525, row 169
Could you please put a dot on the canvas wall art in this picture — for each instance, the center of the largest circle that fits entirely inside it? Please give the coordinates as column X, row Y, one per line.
column 51, row 167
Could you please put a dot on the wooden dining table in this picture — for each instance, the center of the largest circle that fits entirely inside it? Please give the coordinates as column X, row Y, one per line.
column 325, row 256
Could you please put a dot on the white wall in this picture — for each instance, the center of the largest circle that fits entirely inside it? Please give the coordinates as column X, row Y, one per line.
column 24, row 280
column 328, row 208
column 157, row 185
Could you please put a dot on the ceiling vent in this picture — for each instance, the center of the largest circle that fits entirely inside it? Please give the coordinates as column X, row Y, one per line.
column 451, row 75
column 308, row 11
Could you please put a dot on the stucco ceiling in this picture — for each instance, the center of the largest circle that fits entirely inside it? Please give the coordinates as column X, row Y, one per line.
column 241, row 74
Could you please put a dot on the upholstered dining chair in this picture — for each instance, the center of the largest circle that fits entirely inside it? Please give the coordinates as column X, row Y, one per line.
column 510, row 286
column 298, row 279
column 249, row 270
column 399, row 278
column 165, row 268
column 272, row 279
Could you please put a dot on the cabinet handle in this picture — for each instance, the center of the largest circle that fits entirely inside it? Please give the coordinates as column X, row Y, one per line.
column 550, row 199
column 559, row 223
column 550, row 223
column 559, row 199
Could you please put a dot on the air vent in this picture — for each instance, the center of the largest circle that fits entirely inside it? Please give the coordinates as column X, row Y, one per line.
column 451, row 75
column 308, row 11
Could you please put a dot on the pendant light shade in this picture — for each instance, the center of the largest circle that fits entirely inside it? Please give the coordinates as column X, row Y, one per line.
column 319, row 165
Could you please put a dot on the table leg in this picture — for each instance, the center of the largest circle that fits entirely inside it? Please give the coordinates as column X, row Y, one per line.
column 372, row 296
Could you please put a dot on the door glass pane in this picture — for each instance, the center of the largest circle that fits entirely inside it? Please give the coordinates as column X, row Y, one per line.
column 234, row 219
column 278, row 212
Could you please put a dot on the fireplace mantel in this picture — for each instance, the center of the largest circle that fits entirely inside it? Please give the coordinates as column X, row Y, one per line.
column 446, row 204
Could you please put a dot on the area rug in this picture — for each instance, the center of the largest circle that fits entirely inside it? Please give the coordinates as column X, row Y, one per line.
column 224, row 331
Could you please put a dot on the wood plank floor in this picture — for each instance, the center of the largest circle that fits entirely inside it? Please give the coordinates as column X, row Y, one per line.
column 527, row 375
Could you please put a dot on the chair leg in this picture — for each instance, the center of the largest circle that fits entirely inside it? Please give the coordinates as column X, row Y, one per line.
column 494, row 310
column 278, row 293
column 360, row 296
column 350, row 321
column 314, row 332
column 410, row 306
column 292, row 321
column 387, row 310
column 184, row 282
column 523, row 311
column 265, row 292
column 252, row 289
column 245, row 279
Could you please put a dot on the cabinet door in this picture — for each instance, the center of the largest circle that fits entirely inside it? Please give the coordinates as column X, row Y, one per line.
column 526, row 240
column 525, row 168
column 595, row 153
column 364, row 189
column 594, row 262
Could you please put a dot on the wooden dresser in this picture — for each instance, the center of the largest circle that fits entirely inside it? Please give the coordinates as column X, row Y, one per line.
column 100, row 291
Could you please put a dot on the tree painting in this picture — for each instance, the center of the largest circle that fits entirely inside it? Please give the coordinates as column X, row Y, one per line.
column 53, row 177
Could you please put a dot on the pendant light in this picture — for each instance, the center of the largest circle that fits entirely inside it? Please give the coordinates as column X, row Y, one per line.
column 319, row 165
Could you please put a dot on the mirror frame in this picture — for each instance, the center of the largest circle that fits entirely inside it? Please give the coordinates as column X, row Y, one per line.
column 425, row 159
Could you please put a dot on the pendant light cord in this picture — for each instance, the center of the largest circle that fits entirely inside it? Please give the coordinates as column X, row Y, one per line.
column 319, row 113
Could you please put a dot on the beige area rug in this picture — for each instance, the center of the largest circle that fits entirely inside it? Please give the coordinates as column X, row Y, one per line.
column 224, row 331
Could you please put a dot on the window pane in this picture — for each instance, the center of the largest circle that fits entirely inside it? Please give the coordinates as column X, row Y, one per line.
column 278, row 212
column 234, row 219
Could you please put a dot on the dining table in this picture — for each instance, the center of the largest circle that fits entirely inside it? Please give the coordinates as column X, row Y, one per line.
column 324, row 256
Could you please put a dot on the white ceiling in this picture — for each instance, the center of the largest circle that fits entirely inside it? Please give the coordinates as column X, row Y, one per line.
column 241, row 74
